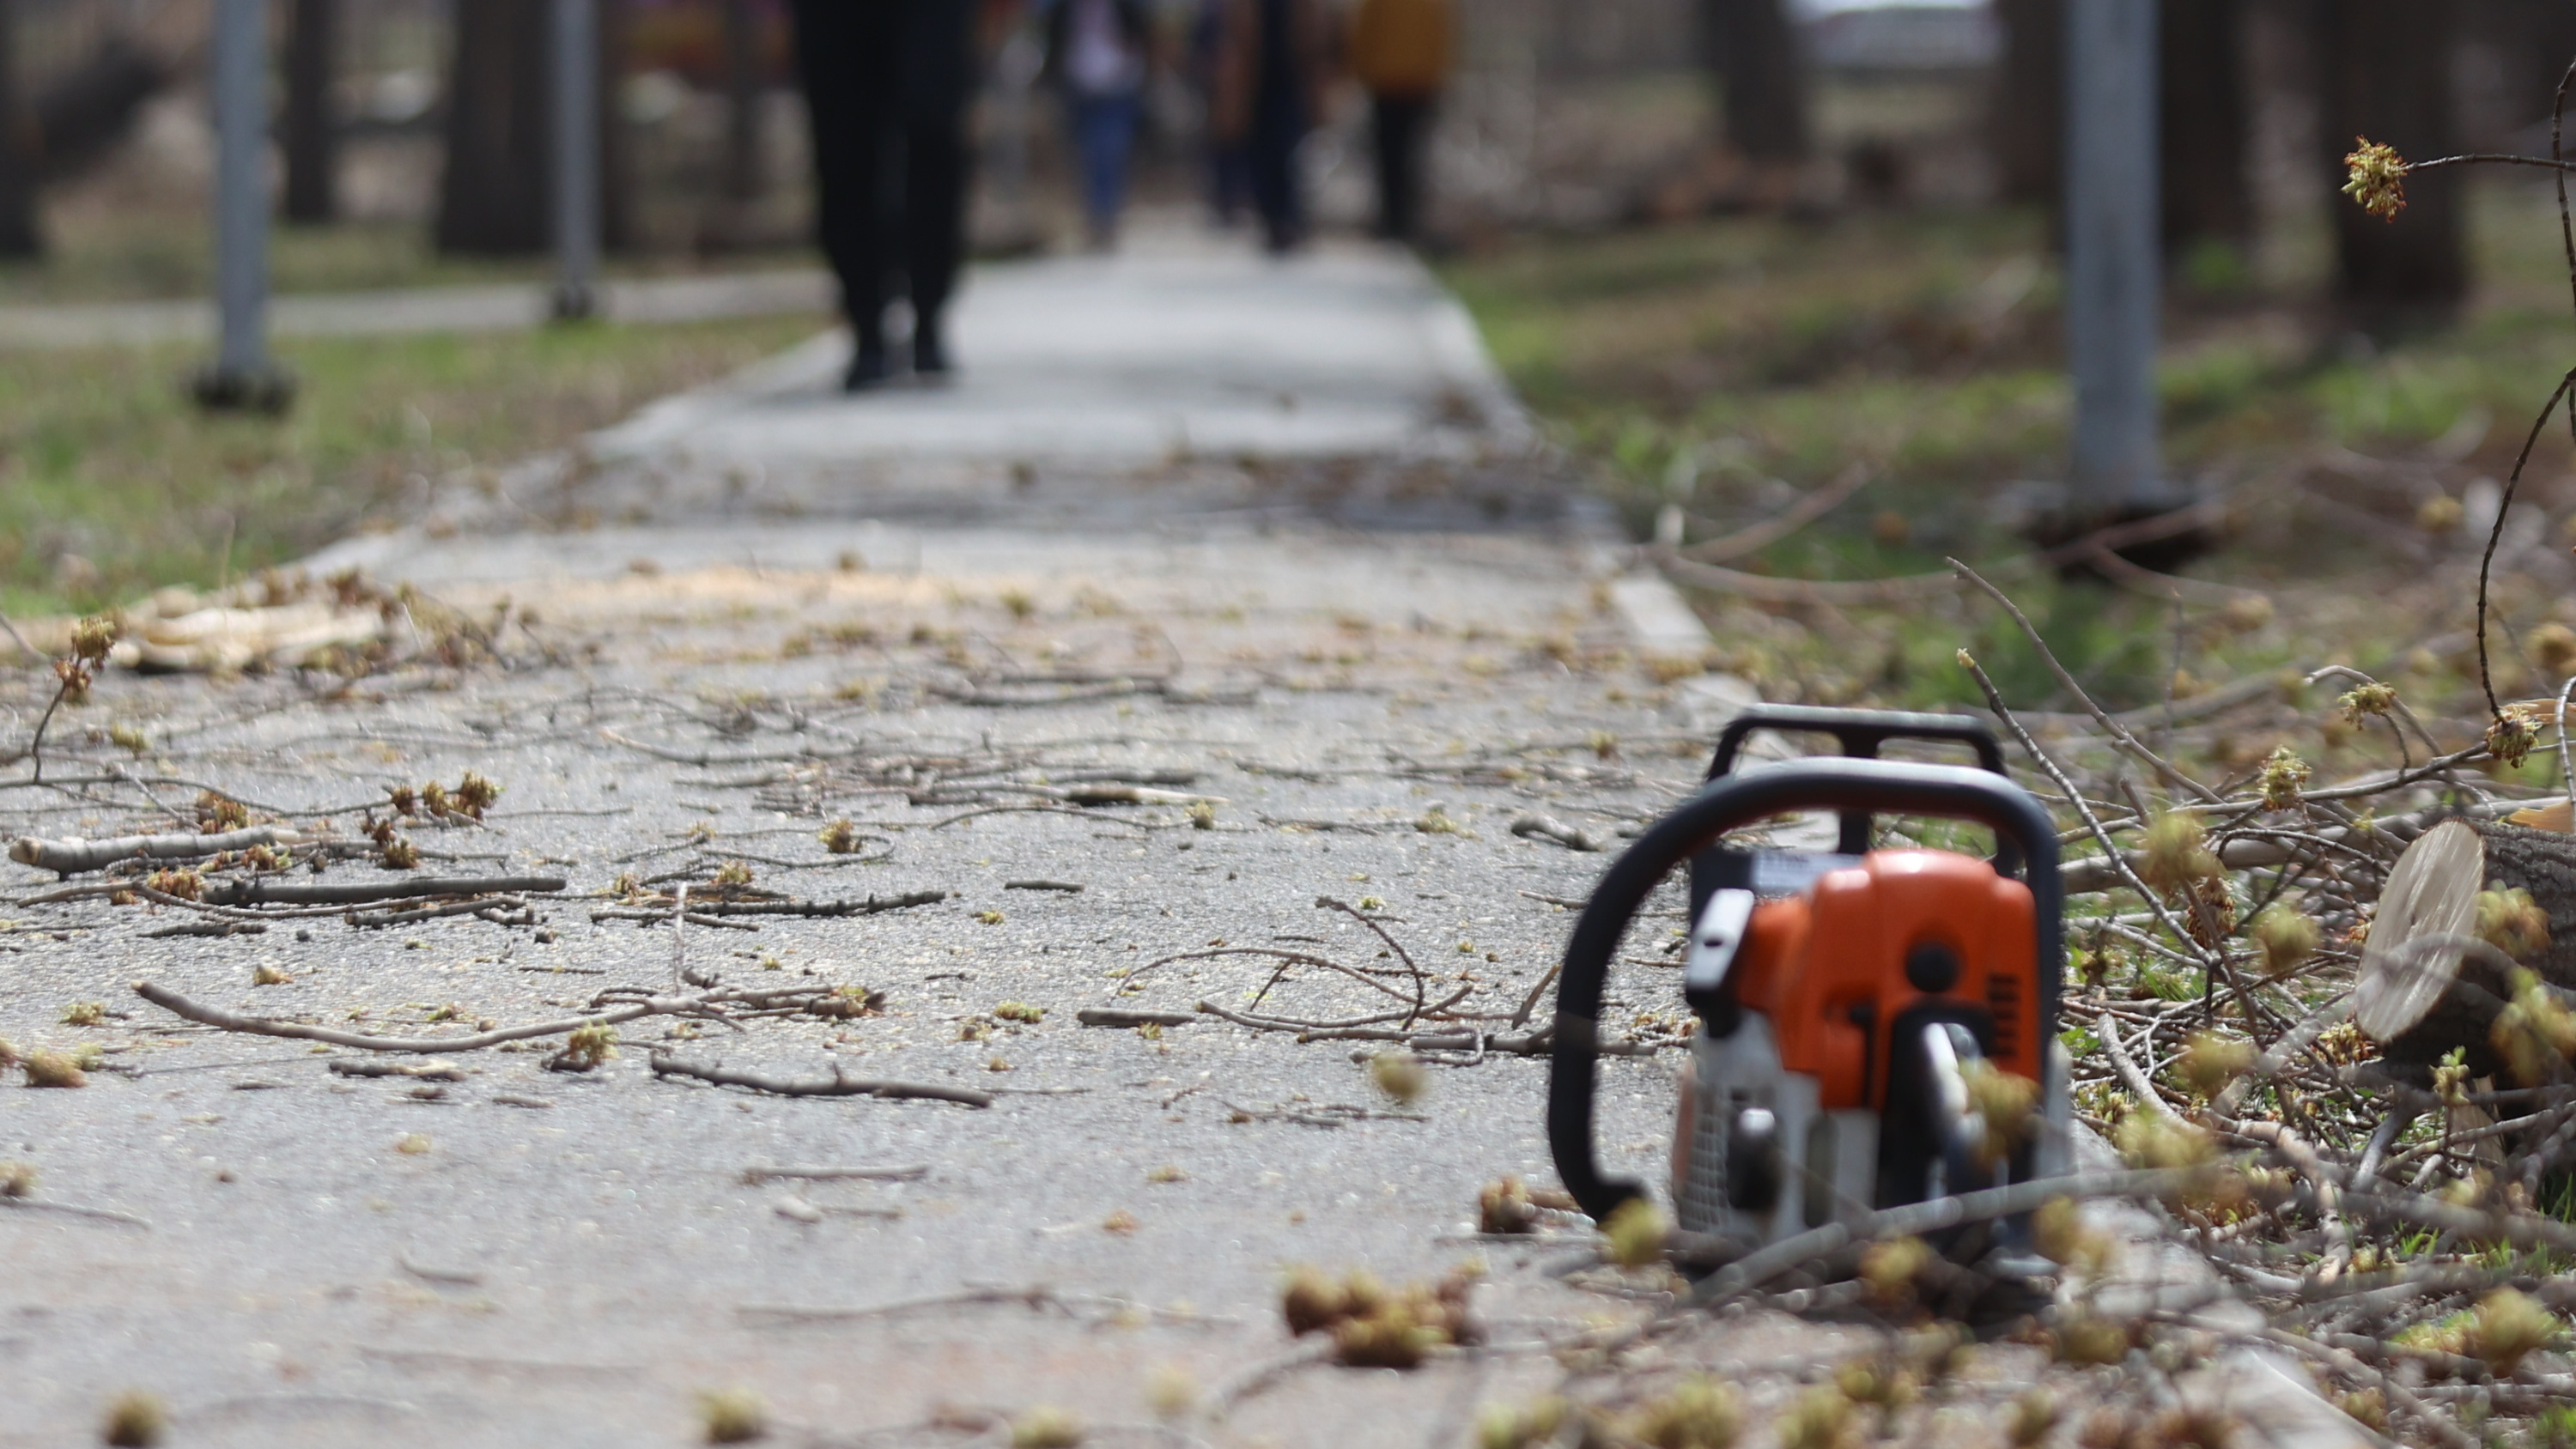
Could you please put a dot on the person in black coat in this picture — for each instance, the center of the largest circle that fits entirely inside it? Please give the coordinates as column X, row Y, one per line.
column 888, row 81
column 1272, row 75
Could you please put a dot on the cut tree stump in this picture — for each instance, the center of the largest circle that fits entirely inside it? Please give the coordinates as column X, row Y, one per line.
column 2420, row 1003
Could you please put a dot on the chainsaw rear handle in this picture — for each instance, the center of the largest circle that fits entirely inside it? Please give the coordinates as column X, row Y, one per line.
column 1732, row 801
column 1859, row 732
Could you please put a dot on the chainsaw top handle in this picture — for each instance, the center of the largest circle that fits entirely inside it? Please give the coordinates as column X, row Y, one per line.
column 1859, row 732
column 1727, row 803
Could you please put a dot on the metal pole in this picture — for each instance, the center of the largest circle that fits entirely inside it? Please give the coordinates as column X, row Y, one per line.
column 576, row 65
column 2113, row 287
column 242, row 376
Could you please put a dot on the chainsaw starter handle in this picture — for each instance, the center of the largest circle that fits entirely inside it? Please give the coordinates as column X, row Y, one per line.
column 1734, row 800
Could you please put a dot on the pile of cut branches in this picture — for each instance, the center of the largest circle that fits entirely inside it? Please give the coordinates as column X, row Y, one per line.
column 2329, row 1022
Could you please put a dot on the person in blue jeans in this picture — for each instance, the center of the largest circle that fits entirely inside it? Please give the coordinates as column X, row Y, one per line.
column 1098, row 52
column 1229, row 184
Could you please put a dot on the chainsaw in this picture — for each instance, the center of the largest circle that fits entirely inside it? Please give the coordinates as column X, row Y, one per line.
column 1847, row 1002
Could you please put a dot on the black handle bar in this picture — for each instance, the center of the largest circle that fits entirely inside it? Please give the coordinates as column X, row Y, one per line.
column 1739, row 799
column 1860, row 732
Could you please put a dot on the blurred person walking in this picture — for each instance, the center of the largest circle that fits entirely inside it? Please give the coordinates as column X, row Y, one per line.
column 1098, row 52
column 1400, row 52
column 1228, row 185
column 1272, row 80
column 886, row 85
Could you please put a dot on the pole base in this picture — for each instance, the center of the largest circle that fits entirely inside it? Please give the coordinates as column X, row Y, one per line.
column 266, row 389
column 575, row 302
column 2053, row 516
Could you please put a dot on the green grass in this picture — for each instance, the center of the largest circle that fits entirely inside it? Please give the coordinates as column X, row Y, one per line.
column 1930, row 344
column 148, row 255
column 103, row 458
column 1725, row 366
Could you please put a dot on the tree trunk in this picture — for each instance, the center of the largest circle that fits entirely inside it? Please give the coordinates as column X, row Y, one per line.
column 2420, row 1002
column 2530, row 43
column 19, row 237
column 312, row 149
column 492, row 199
column 495, row 196
column 744, row 92
column 1762, row 79
column 616, row 176
column 2029, row 117
column 2386, row 75
column 2202, row 128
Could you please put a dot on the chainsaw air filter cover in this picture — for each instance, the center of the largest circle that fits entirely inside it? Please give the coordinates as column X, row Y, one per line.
column 1904, row 935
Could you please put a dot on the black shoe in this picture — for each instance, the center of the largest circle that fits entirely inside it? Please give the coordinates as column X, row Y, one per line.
column 867, row 370
column 929, row 355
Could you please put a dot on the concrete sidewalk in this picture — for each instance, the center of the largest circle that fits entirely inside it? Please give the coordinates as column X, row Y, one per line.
column 1185, row 376
column 1177, row 346
column 1118, row 548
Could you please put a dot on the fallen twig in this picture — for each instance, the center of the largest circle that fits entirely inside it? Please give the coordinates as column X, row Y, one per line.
column 103, row 1215
column 695, row 918
column 421, row 1071
column 214, row 928
column 458, row 1277
column 1036, row 1297
column 1251, row 1379
column 1765, row 588
column 872, row 905
column 2149, row 1099
column 704, row 759
column 1815, row 503
column 1538, row 1043
column 2119, row 733
column 1548, row 827
column 1328, row 1114
column 72, row 857
column 836, row 1085
column 474, row 907
column 755, row 1176
column 1113, row 1016
column 173, row 1002
column 1764, row 1264
column 268, row 890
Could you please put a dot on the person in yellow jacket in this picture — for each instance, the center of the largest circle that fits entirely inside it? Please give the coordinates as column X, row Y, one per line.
column 1400, row 52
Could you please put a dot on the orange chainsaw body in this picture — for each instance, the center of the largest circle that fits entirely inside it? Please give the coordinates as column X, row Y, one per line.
column 1827, row 967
